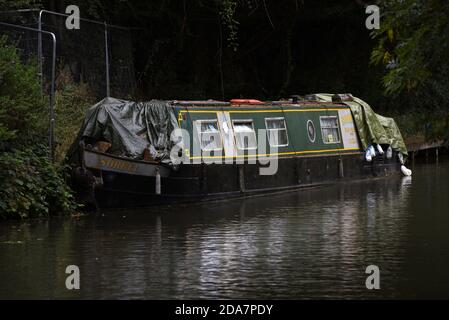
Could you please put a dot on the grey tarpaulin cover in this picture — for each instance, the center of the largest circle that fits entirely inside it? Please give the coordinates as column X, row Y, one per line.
column 132, row 127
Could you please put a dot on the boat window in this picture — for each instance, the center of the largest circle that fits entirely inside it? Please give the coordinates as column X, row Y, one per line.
column 330, row 129
column 311, row 130
column 277, row 132
column 209, row 133
column 245, row 136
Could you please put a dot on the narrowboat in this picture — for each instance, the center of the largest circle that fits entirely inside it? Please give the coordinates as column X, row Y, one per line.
column 137, row 154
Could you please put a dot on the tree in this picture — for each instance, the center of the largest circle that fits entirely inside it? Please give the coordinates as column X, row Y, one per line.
column 413, row 46
column 30, row 184
column 17, row 4
column 20, row 102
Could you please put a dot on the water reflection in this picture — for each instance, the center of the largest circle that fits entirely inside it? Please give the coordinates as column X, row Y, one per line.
column 306, row 244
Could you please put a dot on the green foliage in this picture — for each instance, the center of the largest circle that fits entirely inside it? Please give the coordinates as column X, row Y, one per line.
column 17, row 4
column 6, row 136
column 227, row 14
column 31, row 186
column 72, row 102
column 21, row 106
column 423, row 126
column 413, row 45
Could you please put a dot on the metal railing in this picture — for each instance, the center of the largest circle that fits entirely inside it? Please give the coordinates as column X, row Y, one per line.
column 43, row 29
column 106, row 42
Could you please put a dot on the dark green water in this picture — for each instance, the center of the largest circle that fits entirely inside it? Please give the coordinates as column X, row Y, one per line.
column 305, row 244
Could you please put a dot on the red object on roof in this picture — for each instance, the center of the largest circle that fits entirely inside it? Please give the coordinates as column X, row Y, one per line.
column 246, row 101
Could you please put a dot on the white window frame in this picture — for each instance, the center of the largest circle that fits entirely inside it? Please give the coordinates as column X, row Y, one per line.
column 236, row 132
column 198, row 129
column 333, row 127
column 268, row 130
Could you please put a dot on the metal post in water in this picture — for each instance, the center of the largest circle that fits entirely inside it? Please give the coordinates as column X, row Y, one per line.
column 158, row 182
column 341, row 169
column 242, row 178
column 106, row 53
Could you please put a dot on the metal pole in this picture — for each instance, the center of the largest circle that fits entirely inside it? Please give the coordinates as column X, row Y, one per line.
column 39, row 52
column 106, row 54
column 51, row 138
column 52, row 100
column 19, row 11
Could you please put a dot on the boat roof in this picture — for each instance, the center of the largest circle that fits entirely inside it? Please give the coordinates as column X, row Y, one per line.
column 253, row 103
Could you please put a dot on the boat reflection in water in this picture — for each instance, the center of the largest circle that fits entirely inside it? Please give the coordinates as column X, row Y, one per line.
column 312, row 243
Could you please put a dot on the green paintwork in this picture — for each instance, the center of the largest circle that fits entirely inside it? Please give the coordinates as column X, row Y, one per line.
column 296, row 117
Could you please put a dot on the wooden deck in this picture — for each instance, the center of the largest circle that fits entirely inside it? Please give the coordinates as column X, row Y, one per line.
column 419, row 146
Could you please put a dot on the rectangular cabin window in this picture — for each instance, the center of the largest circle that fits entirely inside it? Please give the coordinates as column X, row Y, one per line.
column 277, row 132
column 245, row 136
column 209, row 134
column 330, row 129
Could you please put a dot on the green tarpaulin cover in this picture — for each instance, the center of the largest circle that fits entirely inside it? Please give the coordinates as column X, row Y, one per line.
column 371, row 127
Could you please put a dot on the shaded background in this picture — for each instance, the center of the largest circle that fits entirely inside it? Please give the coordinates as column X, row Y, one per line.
column 262, row 49
column 187, row 49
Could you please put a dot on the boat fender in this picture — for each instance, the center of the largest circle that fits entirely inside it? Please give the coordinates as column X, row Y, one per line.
column 370, row 153
column 368, row 156
column 379, row 149
column 401, row 158
column 405, row 171
column 84, row 182
column 373, row 151
column 389, row 152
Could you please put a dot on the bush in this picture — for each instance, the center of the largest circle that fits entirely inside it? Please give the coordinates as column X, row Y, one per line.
column 31, row 186
column 72, row 102
column 22, row 109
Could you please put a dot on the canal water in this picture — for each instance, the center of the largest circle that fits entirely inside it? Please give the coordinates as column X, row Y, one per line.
column 303, row 244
